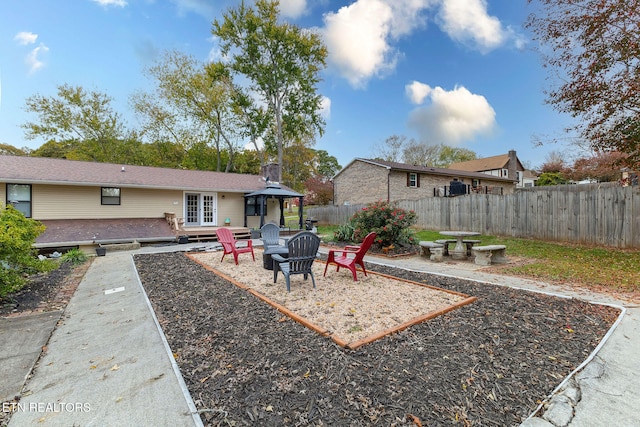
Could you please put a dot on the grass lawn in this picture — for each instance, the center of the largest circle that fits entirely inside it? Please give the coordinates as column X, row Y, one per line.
column 591, row 267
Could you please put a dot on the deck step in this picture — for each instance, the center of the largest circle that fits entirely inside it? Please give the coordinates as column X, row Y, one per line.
column 208, row 234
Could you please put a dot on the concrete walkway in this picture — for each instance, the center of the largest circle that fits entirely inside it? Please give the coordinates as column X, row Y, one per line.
column 108, row 363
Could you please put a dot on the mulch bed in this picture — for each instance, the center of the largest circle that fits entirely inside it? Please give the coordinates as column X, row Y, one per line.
column 489, row 363
column 44, row 292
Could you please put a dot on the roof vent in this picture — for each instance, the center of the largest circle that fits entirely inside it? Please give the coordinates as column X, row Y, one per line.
column 122, row 170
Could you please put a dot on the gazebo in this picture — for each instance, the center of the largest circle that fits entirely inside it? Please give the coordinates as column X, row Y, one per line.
column 274, row 191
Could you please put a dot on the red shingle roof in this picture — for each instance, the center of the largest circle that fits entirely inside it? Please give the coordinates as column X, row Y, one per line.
column 31, row 170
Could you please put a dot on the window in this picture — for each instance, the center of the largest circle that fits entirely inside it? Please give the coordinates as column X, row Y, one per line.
column 413, row 179
column 19, row 196
column 253, row 206
column 110, row 196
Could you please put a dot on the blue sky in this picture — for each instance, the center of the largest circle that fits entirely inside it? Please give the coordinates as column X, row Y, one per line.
column 460, row 72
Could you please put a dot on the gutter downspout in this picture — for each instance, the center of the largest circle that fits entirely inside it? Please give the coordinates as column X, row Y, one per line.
column 388, row 185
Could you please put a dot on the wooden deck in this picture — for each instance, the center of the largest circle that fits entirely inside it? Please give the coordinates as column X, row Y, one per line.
column 201, row 233
column 74, row 232
column 208, row 234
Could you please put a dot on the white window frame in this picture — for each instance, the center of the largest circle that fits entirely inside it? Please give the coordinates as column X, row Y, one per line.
column 18, row 200
column 413, row 180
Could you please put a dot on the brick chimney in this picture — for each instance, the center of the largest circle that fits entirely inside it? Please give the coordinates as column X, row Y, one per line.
column 270, row 171
column 513, row 164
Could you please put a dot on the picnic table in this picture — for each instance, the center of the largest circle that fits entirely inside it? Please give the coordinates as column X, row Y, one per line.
column 460, row 250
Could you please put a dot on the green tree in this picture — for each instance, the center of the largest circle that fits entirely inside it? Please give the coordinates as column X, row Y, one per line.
column 56, row 149
column 594, row 47
column 281, row 63
column 190, row 106
column 248, row 162
column 326, row 166
column 298, row 165
column 551, row 178
column 17, row 255
column 449, row 155
column 10, row 150
column 76, row 116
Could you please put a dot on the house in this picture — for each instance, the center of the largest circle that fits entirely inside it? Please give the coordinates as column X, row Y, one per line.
column 529, row 179
column 367, row 181
column 88, row 203
column 505, row 166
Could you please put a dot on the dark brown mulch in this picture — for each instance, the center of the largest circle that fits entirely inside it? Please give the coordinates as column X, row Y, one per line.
column 44, row 291
column 489, row 363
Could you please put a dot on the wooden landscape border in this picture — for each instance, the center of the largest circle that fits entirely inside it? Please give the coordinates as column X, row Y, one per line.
column 324, row 332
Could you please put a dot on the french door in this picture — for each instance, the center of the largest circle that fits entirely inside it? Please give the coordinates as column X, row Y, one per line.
column 200, row 209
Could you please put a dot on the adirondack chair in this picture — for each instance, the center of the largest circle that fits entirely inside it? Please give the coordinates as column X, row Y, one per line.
column 303, row 249
column 350, row 256
column 230, row 244
column 270, row 236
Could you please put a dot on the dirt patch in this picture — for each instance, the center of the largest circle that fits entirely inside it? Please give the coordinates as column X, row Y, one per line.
column 488, row 363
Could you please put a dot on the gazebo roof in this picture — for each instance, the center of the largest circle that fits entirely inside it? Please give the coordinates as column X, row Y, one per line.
column 274, row 192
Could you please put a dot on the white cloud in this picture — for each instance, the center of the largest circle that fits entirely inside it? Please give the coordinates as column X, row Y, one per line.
column 107, row 3
column 25, row 38
column 33, row 59
column 325, row 108
column 452, row 117
column 293, row 8
column 417, row 91
column 468, row 22
column 203, row 8
column 359, row 36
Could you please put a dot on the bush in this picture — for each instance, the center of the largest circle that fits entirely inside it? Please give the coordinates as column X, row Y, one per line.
column 75, row 256
column 344, row 233
column 18, row 258
column 391, row 224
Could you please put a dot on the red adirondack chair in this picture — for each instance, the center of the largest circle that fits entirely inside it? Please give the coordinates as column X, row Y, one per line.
column 230, row 244
column 350, row 256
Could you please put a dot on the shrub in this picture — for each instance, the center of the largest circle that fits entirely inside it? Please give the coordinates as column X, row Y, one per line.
column 18, row 258
column 75, row 256
column 344, row 233
column 391, row 224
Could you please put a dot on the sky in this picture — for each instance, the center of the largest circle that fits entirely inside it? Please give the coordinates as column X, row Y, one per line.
column 465, row 73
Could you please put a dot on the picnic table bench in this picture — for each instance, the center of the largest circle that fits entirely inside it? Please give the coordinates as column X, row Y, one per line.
column 485, row 255
column 468, row 242
column 433, row 250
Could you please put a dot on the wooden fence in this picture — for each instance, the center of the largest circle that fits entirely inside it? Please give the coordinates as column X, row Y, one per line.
column 607, row 215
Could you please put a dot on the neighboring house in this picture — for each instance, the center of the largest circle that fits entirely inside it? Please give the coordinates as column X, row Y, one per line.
column 529, row 178
column 368, row 181
column 505, row 166
column 87, row 202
